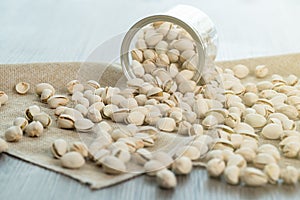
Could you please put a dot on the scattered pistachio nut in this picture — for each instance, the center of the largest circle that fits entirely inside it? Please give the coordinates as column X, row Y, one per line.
column 72, row 160
column 59, row 147
column 13, row 134
column 34, row 129
column 22, row 87
column 166, row 179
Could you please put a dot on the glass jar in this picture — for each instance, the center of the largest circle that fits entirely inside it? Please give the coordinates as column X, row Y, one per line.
column 198, row 25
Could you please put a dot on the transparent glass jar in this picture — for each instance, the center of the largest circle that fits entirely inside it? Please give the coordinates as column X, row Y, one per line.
column 196, row 23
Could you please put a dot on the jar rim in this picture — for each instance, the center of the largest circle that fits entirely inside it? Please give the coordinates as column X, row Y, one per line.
column 167, row 18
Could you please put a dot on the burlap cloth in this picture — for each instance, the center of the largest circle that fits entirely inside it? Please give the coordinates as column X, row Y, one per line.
column 36, row 150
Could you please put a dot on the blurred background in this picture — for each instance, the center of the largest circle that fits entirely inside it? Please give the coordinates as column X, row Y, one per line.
column 69, row 30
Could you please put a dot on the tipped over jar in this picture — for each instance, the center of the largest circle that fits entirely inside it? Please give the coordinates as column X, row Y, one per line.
column 161, row 45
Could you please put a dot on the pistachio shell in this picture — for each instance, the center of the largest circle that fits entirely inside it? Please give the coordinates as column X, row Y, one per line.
column 57, row 100
column 153, row 166
column 22, row 87
column 34, row 129
column 31, row 111
column 13, row 134
column 3, row 145
column 41, row 86
column 43, row 118
column 215, row 167
column 59, row 148
column 80, row 148
column 83, row 125
column 253, row 177
column 166, row 179
column 113, row 165
column 3, row 98
column 65, row 121
column 20, row 122
column 72, row 160
column 166, row 124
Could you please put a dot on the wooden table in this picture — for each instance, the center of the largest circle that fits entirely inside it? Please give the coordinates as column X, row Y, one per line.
column 55, row 30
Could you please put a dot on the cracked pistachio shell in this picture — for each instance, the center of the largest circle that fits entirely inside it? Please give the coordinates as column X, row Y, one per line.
column 57, row 100
column 113, row 165
column 289, row 175
column 166, row 179
column 20, row 122
column 83, row 125
column 22, row 87
column 153, row 39
column 232, row 174
column 273, row 172
column 80, row 148
column 31, row 111
column 215, row 167
column 291, row 149
column 65, row 121
column 253, row 177
column 183, row 44
column 72, row 160
column 222, row 144
column 42, row 86
column 137, row 55
column 43, row 118
column 153, row 166
column 72, row 85
column 142, row 156
column 166, row 124
column 46, row 94
column 59, row 147
column 262, row 159
column 34, row 129
column 3, row 145
column 272, row 131
column 3, row 98
column 182, row 165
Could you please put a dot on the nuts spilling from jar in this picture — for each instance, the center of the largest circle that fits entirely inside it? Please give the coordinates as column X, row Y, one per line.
column 225, row 123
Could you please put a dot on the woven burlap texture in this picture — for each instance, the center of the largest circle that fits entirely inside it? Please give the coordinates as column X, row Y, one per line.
column 37, row 150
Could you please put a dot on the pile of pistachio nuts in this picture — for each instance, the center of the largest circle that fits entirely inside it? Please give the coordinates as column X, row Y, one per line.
column 226, row 118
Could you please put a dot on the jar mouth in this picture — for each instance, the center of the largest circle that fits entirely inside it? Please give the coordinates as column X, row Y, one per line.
column 125, row 48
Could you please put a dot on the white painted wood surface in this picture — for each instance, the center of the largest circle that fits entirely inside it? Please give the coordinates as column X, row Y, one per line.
column 56, row 30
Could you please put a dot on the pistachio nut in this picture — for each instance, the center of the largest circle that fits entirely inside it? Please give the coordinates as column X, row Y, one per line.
column 289, row 175
column 20, row 122
column 215, row 167
column 152, row 167
column 46, row 94
column 3, row 98
column 13, row 134
column 166, row 124
column 231, row 174
column 31, row 111
column 34, row 129
column 59, row 147
column 22, row 87
column 166, row 179
column 3, row 145
column 253, row 177
column 83, row 125
column 262, row 159
column 182, row 165
column 43, row 118
column 72, row 160
column 113, row 165
column 273, row 172
column 42, row 86
column 65, row 121
column 57, row 100
column 80, row 148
